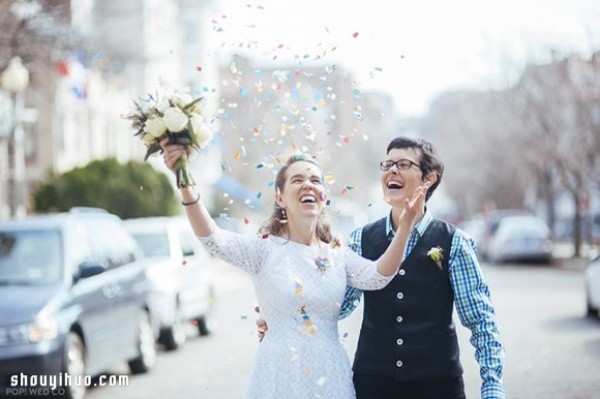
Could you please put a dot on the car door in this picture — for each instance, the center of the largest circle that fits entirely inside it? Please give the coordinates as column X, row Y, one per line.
column 92, row 296
column 195, row 277
column 126, row 287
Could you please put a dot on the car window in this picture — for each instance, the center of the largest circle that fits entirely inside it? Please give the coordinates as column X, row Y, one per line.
column 187, row 246
column 153, row 244
column 110, row 243
column 523, row 227
column 30, row 257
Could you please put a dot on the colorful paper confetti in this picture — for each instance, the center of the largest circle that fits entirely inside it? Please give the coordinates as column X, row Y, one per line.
column 308, row 325
column 322, row 263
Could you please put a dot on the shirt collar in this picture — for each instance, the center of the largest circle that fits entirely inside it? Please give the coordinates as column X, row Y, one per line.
column 419, row 227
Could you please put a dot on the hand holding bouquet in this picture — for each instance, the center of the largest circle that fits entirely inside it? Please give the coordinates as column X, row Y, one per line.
column 176, row 116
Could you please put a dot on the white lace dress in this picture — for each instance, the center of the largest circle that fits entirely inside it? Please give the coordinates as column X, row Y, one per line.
column 300, row 290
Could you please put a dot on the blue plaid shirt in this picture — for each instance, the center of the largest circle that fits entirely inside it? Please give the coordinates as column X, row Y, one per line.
column 472, row 300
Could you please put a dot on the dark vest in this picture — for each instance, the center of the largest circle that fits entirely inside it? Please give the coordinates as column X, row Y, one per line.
column 407, row 331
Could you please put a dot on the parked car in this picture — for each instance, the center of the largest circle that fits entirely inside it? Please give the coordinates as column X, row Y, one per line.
column 475, row 228
column 521, row 238
column 592, row 288
column 182, row 289
column 492, row 222
column 74, row 297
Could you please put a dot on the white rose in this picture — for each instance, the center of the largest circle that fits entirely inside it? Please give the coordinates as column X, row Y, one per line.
column 156, row 127
column 182, row 99
column 175, row 119
column 148, row 138
column 201, row 130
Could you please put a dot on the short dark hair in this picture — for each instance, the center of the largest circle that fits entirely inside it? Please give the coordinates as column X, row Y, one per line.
column 429, row 162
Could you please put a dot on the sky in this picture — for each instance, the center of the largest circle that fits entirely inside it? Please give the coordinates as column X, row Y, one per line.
column 412, row 49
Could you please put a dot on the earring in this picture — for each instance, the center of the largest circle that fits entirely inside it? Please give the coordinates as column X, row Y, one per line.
column 282, row 216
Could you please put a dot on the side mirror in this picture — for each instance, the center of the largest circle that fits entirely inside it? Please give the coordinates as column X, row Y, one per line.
column 89, row 269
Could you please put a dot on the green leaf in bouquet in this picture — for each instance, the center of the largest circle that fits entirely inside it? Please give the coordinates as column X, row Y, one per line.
column 191, row 105
column 193, row 137
column 138, row 106
column 152, row 149
column 184, row 140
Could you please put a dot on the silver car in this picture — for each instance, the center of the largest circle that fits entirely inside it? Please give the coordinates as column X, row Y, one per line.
column 521, row 238
column 178, row 267
column 74, row 299
column 592, row 288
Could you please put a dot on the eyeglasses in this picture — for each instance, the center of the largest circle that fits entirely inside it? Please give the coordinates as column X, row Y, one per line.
column 401, row 164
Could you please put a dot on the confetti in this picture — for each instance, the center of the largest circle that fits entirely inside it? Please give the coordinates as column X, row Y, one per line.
column 347, row 188
column 322, row 263
column 310, row 329
column 298, row 286
column 246, row 220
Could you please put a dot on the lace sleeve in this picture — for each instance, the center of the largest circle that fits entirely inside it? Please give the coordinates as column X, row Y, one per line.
column 362, row 273
column 247, row 252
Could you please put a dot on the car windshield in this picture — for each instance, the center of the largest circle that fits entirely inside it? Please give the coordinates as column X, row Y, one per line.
column 524, row 227
column 30, row 257
column 153, row 244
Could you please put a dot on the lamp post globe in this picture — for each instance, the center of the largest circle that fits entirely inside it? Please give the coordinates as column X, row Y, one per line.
column 15, row 78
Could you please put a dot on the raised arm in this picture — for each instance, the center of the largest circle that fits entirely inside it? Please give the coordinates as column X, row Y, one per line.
column 197, row 214
column 389, row 263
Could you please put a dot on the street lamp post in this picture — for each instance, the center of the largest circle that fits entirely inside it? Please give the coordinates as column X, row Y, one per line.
column 15, row 79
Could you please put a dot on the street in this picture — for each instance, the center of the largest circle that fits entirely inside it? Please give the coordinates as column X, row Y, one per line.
column 553, row 351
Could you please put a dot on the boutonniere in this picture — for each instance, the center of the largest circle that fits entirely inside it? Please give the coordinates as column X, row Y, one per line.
column 436, row 255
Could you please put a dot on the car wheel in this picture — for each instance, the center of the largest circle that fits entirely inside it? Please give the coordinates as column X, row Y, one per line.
column 204, row 325
column 207, row 323
column 174, row 336
column 145, row 347
column 74, row 366
column 590, row 311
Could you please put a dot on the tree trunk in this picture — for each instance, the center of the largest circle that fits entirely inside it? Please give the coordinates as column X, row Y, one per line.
column 577, row 225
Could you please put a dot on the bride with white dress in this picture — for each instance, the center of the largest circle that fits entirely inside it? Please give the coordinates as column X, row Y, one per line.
column 300, row 275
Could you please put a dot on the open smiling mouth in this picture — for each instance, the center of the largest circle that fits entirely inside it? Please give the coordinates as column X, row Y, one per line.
column 394, row 185
column 308, row 199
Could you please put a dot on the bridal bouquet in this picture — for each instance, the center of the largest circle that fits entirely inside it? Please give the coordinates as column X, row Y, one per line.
column 174, row 115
